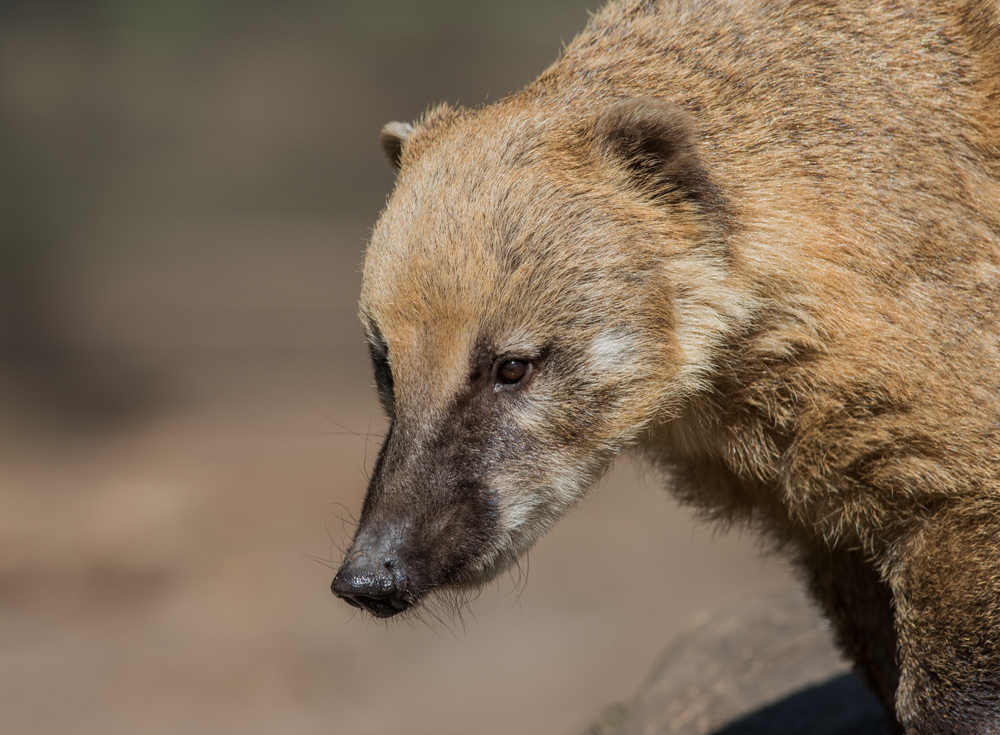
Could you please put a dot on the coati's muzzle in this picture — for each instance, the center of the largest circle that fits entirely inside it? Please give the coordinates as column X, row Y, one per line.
column 427, row 522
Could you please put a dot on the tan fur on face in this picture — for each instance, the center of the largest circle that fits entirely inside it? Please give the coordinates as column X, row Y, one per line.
column 790, row 299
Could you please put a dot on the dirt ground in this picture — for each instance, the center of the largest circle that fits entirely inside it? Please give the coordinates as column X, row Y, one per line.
column 187, row 419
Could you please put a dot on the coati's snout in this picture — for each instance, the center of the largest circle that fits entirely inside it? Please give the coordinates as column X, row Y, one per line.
column 423, row 527
column 394, row 564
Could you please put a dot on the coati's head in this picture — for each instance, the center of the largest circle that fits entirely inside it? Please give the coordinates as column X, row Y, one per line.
column 528, row 312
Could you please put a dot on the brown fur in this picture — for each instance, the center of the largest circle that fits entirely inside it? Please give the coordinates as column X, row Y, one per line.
column 761, row 241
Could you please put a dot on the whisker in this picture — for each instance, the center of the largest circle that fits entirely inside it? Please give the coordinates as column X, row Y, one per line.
column 320, row 560
column 347, row 430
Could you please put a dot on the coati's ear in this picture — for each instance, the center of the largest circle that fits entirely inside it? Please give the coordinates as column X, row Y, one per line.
column 398, row 137
column 656, row 141
column 392, row 139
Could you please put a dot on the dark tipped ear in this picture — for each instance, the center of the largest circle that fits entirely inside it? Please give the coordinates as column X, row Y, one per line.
column 656, row 141
column 392, row 139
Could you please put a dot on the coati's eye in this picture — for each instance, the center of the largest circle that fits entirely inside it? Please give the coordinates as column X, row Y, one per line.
column 512, row 371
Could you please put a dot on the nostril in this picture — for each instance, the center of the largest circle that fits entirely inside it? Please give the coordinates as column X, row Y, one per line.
column 395, row 568
column 348, row 599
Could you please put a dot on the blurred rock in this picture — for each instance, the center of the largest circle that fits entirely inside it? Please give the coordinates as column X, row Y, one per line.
column 767, row 667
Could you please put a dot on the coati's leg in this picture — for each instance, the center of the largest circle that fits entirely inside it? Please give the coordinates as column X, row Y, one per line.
column 945, row 578
column 859, row 606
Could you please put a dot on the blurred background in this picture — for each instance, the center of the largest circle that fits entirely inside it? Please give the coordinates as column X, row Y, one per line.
column 186, row 412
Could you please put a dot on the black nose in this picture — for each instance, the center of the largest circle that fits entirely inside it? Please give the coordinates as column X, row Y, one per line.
column 373, row 582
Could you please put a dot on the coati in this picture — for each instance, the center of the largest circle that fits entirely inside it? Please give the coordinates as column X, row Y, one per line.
column 757, row 241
